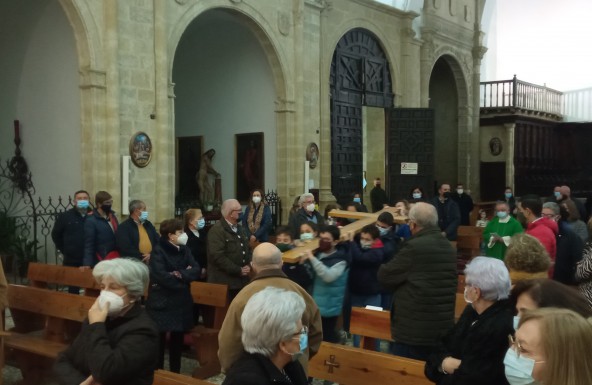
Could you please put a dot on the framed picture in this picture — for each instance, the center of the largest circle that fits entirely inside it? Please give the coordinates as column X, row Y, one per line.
column 312, row 154
column 140, row 148
column 250, row 168
column 495, row 146
column 188, row 157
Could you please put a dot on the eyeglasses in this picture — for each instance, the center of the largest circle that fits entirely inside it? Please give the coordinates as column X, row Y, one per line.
column 515, row 345
column 549, row 216
column 304, row 331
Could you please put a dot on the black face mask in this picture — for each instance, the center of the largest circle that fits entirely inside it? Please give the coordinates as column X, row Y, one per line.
column 106, row 208
column 447, row 195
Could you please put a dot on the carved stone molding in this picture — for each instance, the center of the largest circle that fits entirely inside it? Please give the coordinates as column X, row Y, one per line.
column 284, row 23
column 171, row 91
column 283, row 105
column 92, row 78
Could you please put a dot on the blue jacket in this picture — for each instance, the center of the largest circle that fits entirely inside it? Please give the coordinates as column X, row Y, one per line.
column 262, row 233
column 127, row 238
column 329, row 295
column 99, row 238
column 363, row 276
column 391, row 243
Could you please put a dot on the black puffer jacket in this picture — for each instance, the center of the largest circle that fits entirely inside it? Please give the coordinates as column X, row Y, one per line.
column 68, row 236
column 255, row 369
column 169, row 300
column 423, row 278
column 480, row 341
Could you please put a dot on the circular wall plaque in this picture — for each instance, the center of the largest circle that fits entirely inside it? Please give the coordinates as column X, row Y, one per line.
column 140, row 149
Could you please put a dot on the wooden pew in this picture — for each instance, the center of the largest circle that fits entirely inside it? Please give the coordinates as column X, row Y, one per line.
column 163, row 377
column 41, row 275
column 468, row 241
column 373, row 324
column 354, row 366
column 35, row 353
column 205, row 337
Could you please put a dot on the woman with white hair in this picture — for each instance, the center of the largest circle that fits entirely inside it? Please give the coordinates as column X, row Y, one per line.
column 118, row 344
column 273, row 338
column 473, row 351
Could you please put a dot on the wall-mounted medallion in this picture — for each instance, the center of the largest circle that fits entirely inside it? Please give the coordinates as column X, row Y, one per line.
column 140, row 148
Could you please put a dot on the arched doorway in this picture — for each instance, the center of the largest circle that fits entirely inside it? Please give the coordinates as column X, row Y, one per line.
column 360, row 76
column 224, row 89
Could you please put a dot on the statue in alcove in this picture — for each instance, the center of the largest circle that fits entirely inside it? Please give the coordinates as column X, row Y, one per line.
column 206, row 189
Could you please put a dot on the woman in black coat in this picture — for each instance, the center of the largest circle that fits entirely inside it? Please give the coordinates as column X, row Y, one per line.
column 196, row 241
column 169, row 303
column 473, row 351
column 118, row 343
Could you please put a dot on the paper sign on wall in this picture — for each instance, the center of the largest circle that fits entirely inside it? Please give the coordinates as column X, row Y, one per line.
column 408, row 168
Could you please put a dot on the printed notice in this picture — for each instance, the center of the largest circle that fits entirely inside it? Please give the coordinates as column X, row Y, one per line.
column 408, row 168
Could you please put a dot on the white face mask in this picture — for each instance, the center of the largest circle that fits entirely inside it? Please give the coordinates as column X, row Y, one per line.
column 116, row 304
column 310, row 207
column 256, row 200
column 182, row 239
column 459, row 191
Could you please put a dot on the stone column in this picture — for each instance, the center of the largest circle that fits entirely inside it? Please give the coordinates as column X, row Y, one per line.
column 509, row 150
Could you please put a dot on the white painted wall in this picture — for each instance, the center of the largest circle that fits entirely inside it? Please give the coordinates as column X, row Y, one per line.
column 39, row 87
column 224, row 86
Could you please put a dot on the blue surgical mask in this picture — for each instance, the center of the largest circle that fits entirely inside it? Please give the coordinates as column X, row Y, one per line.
column 416, row 195
column 516, row 321
column 144, row 216
column 508, row 195
column 501, row 214
column 82, row 204
column 306, row 236
column 365, row 245
column 201, row 223
column 357, row 200
column 518, row 369
column 557, row 194
column 382, row 231
column 303, row 342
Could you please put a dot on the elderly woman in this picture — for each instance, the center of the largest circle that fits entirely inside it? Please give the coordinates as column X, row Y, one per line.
column 526, row 258
column 537, row 293
column 257, row 218
column 118, row 343
column 552, row 347
column 195, row 224
column 473, row 351
column 273, row 338
column 172, row 268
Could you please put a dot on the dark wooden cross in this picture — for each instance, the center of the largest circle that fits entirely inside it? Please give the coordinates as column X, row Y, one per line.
column 331, row 363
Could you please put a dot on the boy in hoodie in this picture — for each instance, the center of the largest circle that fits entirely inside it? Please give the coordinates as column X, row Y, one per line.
column 367, row 256
column 331, row 264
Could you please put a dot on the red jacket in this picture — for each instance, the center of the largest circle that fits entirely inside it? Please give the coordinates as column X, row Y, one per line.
column 545, row 230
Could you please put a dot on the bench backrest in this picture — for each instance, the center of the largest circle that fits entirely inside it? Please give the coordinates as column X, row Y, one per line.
column 59, row 314
column 213, row 295
column 41, row 274
column 370, row 323
column 469, row 238
column 354, row 366
column 163, row 377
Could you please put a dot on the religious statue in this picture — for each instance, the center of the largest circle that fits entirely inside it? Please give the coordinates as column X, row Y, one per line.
column 206, row 191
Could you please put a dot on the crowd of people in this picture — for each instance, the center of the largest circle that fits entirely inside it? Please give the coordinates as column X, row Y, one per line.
column 533, row 282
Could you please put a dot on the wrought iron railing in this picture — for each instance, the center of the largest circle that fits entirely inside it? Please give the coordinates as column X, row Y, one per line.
column 518, row 94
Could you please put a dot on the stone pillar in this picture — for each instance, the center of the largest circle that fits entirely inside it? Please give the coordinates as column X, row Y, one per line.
column 474, row 161
column 509, row 150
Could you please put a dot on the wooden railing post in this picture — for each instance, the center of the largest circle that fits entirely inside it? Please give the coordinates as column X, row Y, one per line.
column 514, row 90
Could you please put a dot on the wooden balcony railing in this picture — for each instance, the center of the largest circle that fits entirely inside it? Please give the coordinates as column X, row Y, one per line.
column 518, row 94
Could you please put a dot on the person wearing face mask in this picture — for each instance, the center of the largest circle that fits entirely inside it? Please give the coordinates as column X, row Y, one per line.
column 552, row 347
column 68, row 232
column 257, row 218
column 367, row 256
column 99, row 232
column 136, row 236
column 510, row 200
column 301, row 273
column 195, row 224
column 169, row 303
column 118, row 343
column 357, row 198
column 448, row 212
column 541, row 227
column 331, row 265
column 423, row 280
column 273, row 338
column 465, row 204
column 306, row 213
column 417, row 195
column 308, row 232
column 556, row 197
column 499, row 231
column 267, row 265
column 229, row 253
column 473, row 350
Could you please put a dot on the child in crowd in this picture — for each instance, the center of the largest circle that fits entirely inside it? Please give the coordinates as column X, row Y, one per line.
column 367, row 256
column 308, row 232
column 482, row 222
column 331, row 265
column 301, row 273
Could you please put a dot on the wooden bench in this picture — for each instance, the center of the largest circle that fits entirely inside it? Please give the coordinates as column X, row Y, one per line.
column 163, row 377
column 468, row 241
column 42, row 275
column 205, row 337
column 354, row 366
column 372, row 325
column 35, row 353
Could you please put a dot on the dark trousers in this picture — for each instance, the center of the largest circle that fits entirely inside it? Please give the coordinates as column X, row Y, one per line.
column 175, row 347
column 415, row 352
column 329, row 332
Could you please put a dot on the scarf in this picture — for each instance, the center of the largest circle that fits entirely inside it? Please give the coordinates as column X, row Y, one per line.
column 255, row 216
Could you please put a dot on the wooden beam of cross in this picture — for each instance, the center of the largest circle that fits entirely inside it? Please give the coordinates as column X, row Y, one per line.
column 363, row 219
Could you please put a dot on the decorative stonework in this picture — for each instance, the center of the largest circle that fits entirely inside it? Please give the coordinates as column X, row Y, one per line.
column 92, row 78
column 284, row 23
